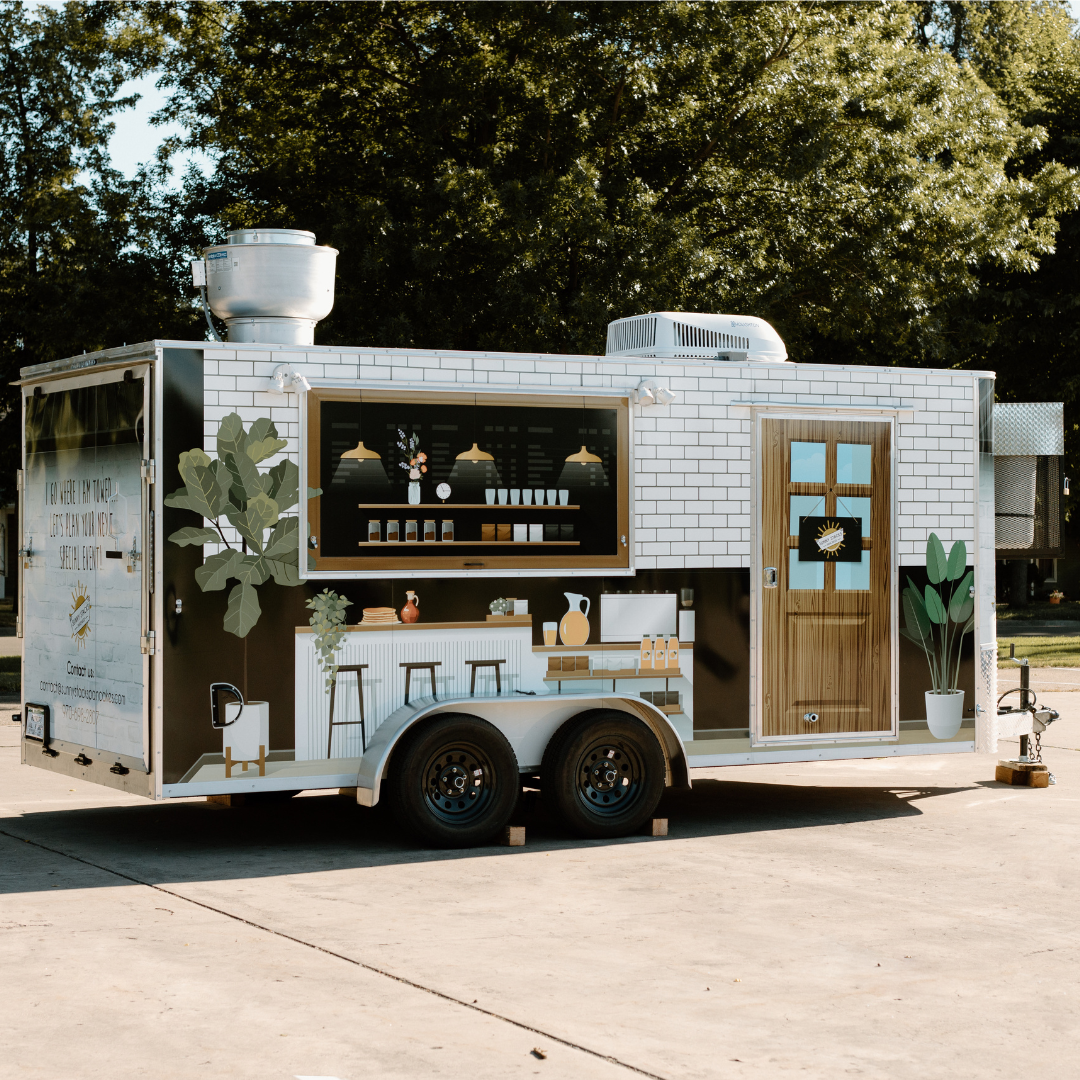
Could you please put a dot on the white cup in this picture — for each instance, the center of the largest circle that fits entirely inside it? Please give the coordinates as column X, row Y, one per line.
column 538, row 496
column 526, row 496
column 564, row 496
column 489, row 495
column 515, row 496
column 502, row 496
column 552, row 496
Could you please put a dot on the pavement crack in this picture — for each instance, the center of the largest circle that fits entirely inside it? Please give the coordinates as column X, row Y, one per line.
column 340, row 956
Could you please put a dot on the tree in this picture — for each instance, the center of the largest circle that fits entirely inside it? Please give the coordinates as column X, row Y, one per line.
column 501, row 175
column 77, row 270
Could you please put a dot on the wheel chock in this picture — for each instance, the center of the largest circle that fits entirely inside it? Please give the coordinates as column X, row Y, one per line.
column 1022, row 773
column 659, row 826
column 514, row 836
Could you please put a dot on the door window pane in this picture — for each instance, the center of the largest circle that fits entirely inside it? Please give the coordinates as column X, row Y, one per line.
column 854, row 575
column 852, row 463
column 806, row 506
column 859, row 508
column 808, row 462
column 804, row 575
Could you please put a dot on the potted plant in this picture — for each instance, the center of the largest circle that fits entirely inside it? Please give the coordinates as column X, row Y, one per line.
column 937, row 621
column 1057, row 596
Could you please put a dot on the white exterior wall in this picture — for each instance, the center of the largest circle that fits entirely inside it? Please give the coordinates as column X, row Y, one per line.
column 692, row 499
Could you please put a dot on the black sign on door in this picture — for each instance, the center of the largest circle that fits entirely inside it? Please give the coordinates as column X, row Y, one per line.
column 830, row 539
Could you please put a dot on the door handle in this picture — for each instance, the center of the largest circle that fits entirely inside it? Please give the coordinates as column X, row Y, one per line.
column 769, row 575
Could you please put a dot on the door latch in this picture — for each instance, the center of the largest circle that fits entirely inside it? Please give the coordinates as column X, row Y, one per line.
column 769, row 574
column 811, row 717
column 27, row 553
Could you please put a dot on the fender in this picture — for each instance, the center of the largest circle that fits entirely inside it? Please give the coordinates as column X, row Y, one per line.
column 527, row 722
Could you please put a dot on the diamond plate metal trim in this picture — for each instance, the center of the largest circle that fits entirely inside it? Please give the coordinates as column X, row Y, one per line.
column 1028, row 428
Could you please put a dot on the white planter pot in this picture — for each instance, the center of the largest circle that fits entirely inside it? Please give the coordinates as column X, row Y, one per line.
column 944, row 712
column 248, row 737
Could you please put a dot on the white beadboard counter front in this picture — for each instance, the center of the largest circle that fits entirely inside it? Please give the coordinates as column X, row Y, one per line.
column 383, row 648
column 450, row 644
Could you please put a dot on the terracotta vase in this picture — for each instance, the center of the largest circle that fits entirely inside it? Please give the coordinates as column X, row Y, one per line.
column 411, row 611
column 1055, row 599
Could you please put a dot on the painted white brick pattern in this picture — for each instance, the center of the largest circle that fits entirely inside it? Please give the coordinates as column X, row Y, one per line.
column 693, row 470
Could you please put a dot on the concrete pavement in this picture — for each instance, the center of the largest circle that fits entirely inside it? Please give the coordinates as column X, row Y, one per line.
column 894, row 918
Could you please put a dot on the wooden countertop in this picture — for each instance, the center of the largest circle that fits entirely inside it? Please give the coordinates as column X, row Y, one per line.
column 608, row 646
column 513, row 620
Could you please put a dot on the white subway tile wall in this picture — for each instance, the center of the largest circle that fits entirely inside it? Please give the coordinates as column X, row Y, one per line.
column 693, row 474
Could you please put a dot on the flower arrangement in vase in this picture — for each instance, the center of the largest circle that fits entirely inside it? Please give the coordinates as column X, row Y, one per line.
column 1057, row 596
column 937, row 622
column 415, row 463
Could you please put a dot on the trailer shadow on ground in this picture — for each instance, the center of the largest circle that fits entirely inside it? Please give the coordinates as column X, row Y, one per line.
column 195, row 841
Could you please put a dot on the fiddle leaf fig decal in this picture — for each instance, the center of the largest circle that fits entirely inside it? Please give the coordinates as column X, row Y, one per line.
column 231, row 489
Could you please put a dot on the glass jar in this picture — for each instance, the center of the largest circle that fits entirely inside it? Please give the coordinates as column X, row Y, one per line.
column 410, row 532
column 448, row 531
column 429, row 532
column 374, row 531
column 393, row 532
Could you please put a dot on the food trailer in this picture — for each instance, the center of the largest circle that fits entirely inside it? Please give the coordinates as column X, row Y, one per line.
column 587, row 574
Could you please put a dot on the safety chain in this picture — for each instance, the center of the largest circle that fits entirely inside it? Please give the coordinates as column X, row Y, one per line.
column 1037, row 756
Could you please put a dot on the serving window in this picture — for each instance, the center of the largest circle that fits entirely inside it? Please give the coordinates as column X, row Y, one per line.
column 424, row 481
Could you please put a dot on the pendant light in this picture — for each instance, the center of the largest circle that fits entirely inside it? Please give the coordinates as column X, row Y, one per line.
column 361, row 466
column 583, row 470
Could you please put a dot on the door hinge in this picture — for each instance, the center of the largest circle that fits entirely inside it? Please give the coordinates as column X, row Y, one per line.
column 149, row 470
column 148, row 643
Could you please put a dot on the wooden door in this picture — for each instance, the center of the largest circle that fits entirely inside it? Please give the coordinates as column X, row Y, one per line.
column 825, row 625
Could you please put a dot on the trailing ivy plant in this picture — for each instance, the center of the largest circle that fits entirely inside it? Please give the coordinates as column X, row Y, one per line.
column 328, row 628
column 230, row 486
column 937, row 621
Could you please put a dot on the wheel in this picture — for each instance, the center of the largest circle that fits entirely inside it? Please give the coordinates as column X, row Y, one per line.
column 603, row 773
column 454, row 782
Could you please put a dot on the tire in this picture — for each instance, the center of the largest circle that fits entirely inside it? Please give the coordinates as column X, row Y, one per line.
column 576, row 779
column 454, row 782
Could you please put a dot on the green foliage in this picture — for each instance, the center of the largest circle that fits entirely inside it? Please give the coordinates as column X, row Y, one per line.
column 515, row 175
column 953, row 615
column 328, row 627
column 252, row 502
column 79, row 268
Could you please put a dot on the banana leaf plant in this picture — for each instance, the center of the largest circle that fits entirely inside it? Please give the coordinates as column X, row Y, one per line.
column 937, row 619
column 232, row 488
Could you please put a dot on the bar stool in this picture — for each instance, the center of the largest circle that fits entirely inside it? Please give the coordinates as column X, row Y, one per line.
column 342, row 669
column 415, row 665
column 474, row 664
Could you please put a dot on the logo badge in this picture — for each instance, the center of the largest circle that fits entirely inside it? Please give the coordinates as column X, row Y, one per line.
column 79, row 617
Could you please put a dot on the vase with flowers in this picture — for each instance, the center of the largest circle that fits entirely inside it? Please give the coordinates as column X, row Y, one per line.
column 414, row 462
column 1057, row 596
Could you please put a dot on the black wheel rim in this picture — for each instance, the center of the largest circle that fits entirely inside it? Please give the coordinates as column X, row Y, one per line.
column 610, row 775
column 459, row 783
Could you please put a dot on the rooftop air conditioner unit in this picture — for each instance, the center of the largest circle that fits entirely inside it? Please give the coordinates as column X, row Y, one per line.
column 676, row 335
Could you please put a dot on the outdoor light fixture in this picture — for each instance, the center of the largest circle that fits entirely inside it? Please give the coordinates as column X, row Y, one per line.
column 286, row 379
column 648, row 393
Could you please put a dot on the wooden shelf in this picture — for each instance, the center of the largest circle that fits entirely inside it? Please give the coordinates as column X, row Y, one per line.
column 469, row 543
column 462, row 506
